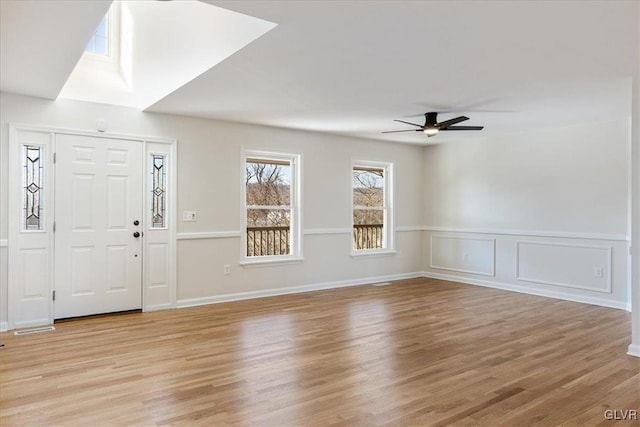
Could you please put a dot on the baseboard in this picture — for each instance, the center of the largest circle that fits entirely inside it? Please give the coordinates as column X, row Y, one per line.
column 527, row 290
column 4, row 326
column 192, row 302
column 156, row 307
column 634, row 350
column 31, row 324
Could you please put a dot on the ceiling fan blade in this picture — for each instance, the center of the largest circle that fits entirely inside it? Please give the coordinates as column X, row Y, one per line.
column 464, row 128
column 407, row 130
column 447, row 123
column 408, row 123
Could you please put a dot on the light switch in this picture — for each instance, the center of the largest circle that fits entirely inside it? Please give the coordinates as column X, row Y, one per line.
column 189, row 216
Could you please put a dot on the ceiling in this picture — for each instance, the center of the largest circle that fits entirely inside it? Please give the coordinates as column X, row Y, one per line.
column 201, row 36
column 351, row 67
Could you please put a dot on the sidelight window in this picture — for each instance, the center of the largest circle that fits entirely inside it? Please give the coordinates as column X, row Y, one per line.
column 33, row 187
column 158, row 190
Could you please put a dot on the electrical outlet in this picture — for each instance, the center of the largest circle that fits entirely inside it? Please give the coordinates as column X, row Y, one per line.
column 598, row 272
column 227, row 269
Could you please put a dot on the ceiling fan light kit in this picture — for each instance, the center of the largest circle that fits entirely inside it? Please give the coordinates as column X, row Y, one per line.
column 431, row 125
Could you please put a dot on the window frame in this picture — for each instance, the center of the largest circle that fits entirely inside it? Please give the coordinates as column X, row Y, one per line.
column 113, row 40
column 107, row 39
column 388, row 225
column 295, row 206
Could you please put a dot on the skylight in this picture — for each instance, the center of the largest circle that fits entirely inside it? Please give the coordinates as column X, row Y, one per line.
column 144, row 50
column 99, row 42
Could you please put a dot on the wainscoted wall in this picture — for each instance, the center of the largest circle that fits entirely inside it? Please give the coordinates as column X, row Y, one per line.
column 592, row 270
column 463, row 254
column 327, row 264
column 543, row 211
column 569, row 265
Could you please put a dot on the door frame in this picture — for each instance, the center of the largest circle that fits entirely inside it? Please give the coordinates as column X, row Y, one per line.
column 150, row 146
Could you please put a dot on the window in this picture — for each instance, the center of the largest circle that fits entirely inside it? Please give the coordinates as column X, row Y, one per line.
column 32, row 187
column 99, row 42
column 372, row 207
column 271, row 213
column 158, row 190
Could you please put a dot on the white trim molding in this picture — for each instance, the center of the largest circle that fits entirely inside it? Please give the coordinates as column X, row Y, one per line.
column 90, row 132
column 531, row 233
column 363, row 254
column 634, row 350
column 208, row 235
column 4, row 243
column 608, row 267
column 191, row 302
column 327, row 231
column 4, row 326
column 405, row 228
column 157, row 307
column 620, row 305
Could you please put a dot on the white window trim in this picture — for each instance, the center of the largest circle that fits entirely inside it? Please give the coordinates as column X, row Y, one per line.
column 388, row 219
column 295, row 206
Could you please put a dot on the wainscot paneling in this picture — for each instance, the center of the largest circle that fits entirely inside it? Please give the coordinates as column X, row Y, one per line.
column 568, row 265
column 473, row 255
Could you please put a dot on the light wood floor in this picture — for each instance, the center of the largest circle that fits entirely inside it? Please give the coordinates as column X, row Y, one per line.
column 418, row 352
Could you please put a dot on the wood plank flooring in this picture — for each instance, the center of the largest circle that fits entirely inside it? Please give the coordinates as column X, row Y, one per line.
column 417, row 352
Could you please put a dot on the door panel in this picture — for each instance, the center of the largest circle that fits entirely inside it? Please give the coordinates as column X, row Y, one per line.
column 98, row 262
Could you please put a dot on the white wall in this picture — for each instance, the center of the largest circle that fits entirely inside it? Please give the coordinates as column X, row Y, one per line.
column 534, row 212
column 551, row 205
column 209, row 173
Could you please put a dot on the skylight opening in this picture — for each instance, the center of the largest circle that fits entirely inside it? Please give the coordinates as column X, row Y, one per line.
column 132, row 60
column 99, row 43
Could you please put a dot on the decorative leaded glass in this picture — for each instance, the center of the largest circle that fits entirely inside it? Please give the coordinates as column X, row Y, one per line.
column 158, row 190
column 33, row 174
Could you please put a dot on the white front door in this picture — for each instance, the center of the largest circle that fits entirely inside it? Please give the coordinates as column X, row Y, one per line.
column 98, row 202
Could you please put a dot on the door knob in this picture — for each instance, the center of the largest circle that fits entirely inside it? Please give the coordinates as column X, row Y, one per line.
column 136, row 234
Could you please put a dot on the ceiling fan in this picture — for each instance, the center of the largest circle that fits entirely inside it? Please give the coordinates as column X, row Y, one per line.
column 431, row 126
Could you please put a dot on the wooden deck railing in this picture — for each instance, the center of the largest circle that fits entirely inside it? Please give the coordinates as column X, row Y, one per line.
column 367, row 236
column 263, row 241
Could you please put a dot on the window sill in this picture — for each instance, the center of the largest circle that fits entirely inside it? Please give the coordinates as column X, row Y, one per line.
column 373, row 253
column 270, row 261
